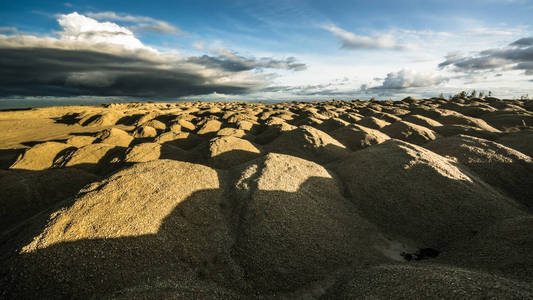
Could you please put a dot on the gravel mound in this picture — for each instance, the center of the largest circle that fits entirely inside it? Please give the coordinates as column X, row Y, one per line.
column 415, row 193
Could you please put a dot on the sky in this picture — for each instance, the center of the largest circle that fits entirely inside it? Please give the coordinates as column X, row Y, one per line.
column 263, row 50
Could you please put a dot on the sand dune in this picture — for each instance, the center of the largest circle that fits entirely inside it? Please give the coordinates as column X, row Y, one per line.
column 341, row 199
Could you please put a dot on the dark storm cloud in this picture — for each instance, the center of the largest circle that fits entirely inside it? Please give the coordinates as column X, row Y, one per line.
column 232, row 62
column 88, row 57
column 476, row 63
column 59, row 72
column 523, row 42
column 526, row 66
column 518, row 56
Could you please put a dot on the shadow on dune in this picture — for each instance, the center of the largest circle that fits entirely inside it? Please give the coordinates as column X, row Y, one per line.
column 15, row 109
column 513, row 180
column 33, row 143
column 104, row 266
column 28, row 197
column 9, row 156
column 68, row 119
column 324, row 155
column 130, row 119
column 88, row 133
column 195, row 250
column 28, row 193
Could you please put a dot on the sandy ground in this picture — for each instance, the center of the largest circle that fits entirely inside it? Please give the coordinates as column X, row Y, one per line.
column 427, row 198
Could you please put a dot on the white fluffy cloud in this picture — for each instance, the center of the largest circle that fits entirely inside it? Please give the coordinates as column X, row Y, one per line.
column 76, row 27
column 354, row 41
